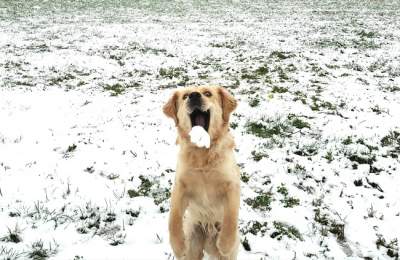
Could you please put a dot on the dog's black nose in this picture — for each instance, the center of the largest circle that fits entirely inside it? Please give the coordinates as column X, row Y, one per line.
column 194, row 95
column 195, row 100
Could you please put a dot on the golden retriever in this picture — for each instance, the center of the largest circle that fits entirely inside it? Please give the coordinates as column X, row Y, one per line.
column 206, row 194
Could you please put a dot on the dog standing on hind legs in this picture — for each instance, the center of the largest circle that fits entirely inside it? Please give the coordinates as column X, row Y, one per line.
column 206, row 194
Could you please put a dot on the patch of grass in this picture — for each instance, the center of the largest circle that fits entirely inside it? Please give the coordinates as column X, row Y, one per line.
column 329, row 43
column 117, row 239
column 203, row 75
column 283, row 76
column 370, row 147
column 257, row 156
column 71, row 148
column 144, row 188
column 392, row 247
column 329, row 156
column 317, row 104
column 112, row 176
column 244, row 177
column 115, row 89
column 39, row 251
column 251, row 75
column 13, row 236
column 253, row 102
column 268, row 79
column 283, row 229
column 373, row 169
column 320, row 72
column 282, row 190
column 161, row 195
column 354, row 66
column 110, row 217
column 133, row 213
column 255, row 227
column 391, row 139
column 263, row 131
column 307, row 150
column 365, row 34
column 10, row 253
column 150, row 188
column 317, row 202
column 391, row 88
column 288, row 202
column 368, row 159
column 337, row 229
column 133, row 193
column 263, row 70
column 306, row 188
column 156, row 51
column 261, row 201
column 300, row 96
column 250, row 91
column 348, row 140
column 291, row 68
column 13, row 214
column 365, row 43
column 376, row 65
column 81, row 83
column 90, row 218
column 246, row 245
column 145, row 185
column 234, row 125
column 321, row 218
column 297, row 122
column 59, row 79
column 378, row 110
column 228, row 45
column 297, row 169
column 172, row 72
column 276, row 89
column 328, row 225
column 332, row 66
column 358, row 183
column 281, row 55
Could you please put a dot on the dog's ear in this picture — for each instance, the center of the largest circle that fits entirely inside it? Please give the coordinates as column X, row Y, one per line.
column 228, row 103
column 169, row 108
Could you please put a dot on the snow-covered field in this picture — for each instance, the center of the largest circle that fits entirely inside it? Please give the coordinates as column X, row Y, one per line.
column 87, row 158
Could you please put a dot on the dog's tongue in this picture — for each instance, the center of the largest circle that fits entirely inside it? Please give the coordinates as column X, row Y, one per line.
column 200, row 120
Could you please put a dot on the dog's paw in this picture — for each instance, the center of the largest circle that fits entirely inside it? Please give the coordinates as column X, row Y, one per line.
column 178, row 246
column 226, row 244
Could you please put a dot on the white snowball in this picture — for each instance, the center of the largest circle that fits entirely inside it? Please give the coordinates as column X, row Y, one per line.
column 200, row 137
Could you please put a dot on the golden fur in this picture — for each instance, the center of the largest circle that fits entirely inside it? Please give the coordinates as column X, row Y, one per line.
column 206, row 194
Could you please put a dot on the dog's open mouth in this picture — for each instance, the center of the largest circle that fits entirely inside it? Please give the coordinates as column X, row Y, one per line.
column 200, row 118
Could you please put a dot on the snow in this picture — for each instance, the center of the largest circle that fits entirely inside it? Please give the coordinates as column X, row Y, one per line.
column 199, row 137
column 87, row 158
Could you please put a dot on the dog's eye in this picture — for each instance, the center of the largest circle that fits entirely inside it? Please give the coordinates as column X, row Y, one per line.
column 207, row 94
column 185, row 96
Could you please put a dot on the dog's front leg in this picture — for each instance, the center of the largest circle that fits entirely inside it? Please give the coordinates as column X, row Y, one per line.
column 227, row 239
column 178, row 207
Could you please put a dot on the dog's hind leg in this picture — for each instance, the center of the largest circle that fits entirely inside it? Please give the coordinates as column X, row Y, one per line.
column 195, row 239
column 212, row 250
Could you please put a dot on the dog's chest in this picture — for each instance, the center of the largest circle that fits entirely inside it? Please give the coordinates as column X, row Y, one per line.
column 205, row 193
column 205, row 198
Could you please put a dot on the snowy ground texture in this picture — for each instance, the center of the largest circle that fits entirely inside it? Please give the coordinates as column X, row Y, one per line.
column 87, row 158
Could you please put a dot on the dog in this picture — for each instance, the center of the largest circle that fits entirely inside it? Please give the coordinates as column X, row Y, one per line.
column 205, row 196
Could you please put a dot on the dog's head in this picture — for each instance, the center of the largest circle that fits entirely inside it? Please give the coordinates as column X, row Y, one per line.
column 208, row 107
